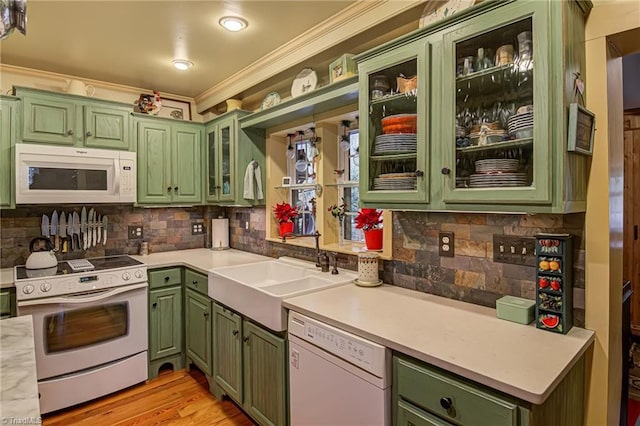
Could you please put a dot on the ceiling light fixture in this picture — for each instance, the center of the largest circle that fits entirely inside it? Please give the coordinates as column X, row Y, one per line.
column 233, row 23
column 182, row 64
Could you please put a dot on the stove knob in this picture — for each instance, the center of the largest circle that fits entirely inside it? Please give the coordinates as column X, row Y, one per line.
column 126, row 276
column 138, row 274
column 27, row 289
column 45, row 287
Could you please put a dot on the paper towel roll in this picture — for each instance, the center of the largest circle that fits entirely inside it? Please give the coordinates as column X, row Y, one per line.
column 219, row 234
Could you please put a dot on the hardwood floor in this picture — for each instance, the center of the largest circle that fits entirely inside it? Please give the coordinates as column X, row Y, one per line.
column 174, row 398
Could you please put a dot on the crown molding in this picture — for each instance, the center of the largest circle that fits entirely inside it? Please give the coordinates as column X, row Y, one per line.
column 356, row 18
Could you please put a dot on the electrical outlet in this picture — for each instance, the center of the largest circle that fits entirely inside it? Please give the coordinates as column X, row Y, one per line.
column 135, row 232
column 445, row 244
column 514, row 249
column 197, row 228
column 246, row 225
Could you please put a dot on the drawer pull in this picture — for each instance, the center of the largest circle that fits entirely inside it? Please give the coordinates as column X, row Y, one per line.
column 166, row 278
column 446, row 403
column 194, row 282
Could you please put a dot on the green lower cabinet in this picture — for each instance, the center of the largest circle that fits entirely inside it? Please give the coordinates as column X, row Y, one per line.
column 427, row 395
column 265, row 375
column 7, row 303
column 198, row 330
column 166, row 335
column 227, row 344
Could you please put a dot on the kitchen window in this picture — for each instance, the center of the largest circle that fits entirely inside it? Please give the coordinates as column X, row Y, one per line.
column 302, row 167
column 348, row 193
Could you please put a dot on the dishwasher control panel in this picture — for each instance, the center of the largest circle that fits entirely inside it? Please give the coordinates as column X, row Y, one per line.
column 363, row 353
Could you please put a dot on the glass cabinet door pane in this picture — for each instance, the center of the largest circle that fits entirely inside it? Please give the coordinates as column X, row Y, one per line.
column 494, row 108
column 393, row 128
column 225, row 138
column 212, row 157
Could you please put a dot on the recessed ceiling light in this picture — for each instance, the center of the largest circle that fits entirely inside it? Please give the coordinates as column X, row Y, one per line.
column 182, row 64
column 233, row 23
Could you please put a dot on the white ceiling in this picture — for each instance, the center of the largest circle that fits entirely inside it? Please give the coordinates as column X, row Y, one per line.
column 133, row 42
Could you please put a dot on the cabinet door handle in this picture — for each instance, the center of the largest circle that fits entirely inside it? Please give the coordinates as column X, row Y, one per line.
column 419, row 173
column 175, row 189
column 206, row 314
column 168, row 189
column 154, row 304
column 89, row 134
column 70, row 132
column 445, row 170
column 446, row 403
column 246, row 339
column 235, row 332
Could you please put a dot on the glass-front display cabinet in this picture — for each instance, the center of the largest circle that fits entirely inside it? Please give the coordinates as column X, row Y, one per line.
column 394, row 134
column 495, row 117
column 220, row 161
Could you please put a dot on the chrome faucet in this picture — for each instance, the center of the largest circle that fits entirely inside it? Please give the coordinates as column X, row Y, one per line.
column 317, row 236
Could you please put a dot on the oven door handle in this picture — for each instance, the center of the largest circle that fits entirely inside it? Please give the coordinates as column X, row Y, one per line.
column 83, row 298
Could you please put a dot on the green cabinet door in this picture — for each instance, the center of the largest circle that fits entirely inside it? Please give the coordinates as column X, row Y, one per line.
column 265, row 375
column 50, row 119
column 496, row 123
column 227, row 137
column 227, row 350
column 7, row 140
column 7, row 303
column 186, row 158
column 198, row 330
column 395, row 127
column 154, row 162
column 107, row 127
column 165, row 322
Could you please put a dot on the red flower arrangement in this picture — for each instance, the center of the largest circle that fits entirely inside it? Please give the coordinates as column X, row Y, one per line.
column 368, row 219
column 284, row 212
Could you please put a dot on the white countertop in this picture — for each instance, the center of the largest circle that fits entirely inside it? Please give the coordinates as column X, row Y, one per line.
column 201, row 259
column 466, row 339
column 19, row 392
column 6, row 277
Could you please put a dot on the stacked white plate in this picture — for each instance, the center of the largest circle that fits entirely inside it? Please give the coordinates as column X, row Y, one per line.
column 491, row 180
column 520, row 121
column 395, row 142
column 498, row 172
column 497, row 165
column 460, row 131
column 395, row 181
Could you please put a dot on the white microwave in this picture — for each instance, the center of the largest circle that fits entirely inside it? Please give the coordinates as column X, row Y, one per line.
column 48, row 174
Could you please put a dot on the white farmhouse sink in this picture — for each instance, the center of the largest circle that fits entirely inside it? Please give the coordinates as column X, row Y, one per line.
column 256, row 290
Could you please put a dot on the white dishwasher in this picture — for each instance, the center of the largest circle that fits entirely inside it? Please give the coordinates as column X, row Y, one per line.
column 336, row 378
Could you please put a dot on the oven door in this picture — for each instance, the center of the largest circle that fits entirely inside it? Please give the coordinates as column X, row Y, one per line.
column 85, row 330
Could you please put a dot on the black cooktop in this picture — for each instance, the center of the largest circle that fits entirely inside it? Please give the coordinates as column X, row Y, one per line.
column 63, row 268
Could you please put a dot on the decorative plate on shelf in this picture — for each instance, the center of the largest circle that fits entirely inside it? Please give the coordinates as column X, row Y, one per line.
column 272, row 99
column 305, row 81
column 437, row 10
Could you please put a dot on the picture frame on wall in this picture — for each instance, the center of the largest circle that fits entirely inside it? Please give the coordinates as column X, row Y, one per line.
column 172, row 108
column 582, row 127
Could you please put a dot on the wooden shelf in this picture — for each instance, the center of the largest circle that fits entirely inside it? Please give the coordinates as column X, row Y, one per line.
column 327, row 98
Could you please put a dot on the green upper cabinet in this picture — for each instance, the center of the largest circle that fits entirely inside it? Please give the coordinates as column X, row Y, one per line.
column 394, row 142
column 186, row 157
column 8, row 113
column 169, row 161
column 63, row 119
column 229, row 151
column 496, row 129
column 494, row 85
column 265, row 375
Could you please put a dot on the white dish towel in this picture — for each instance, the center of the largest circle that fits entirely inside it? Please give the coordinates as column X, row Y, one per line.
column 253, row 182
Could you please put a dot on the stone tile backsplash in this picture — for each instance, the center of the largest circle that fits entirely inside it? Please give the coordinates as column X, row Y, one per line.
column 164, row 228
column 471, row 275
